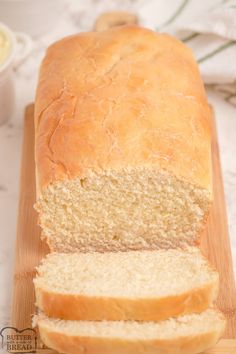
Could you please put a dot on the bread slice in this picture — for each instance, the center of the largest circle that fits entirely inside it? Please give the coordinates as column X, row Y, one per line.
column 134, row 285
column 189, row 334
column 122, row 143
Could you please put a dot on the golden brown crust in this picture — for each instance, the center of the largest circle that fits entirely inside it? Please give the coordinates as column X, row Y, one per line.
column 99, row 345
column 126, row 97
column 79, row 307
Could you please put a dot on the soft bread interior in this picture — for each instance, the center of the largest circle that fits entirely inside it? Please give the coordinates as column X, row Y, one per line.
column 134, row 274
column 185, row 326
column 122, row 210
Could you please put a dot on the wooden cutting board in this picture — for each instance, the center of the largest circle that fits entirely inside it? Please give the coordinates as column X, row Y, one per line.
column 30, row 249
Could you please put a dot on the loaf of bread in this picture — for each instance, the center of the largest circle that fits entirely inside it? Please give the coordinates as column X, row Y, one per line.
column 122, row 143
column 134, row 285
column 189, row 334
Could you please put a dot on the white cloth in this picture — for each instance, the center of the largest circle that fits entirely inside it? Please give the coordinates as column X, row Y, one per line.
column 208, row 27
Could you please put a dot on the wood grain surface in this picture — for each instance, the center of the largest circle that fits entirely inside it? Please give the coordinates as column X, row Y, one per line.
column 30, row 249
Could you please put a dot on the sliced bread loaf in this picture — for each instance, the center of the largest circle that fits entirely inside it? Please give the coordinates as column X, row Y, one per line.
column 134, row 285
column 189, row 334
column 122, row 143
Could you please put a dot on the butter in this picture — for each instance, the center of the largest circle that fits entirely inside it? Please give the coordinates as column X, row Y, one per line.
column 5, row 46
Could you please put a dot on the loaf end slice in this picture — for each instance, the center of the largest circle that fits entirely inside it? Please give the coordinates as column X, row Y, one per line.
column 190, row 334
column 134, row 285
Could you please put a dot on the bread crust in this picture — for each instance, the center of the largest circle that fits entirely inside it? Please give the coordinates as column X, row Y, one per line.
column 81, row 307
column 98, row 345
column 125, row 97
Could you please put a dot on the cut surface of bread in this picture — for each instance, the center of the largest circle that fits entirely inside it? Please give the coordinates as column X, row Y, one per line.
column 122, row 143
column 189, row 334
column 134, row 285
column 119, row 211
